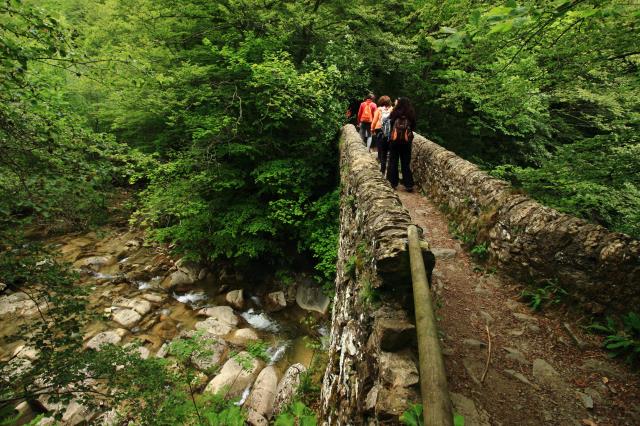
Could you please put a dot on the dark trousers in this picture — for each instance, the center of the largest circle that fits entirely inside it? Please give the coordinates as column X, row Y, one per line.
column 402, row 152
column 382, row 143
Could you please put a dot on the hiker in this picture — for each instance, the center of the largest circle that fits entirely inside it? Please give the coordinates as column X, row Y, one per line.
column 381, row 129
column 365, row 116
column 352, row 112
column 403, row 122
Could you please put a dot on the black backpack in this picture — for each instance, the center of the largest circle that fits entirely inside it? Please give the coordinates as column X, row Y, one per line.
column 401, row 132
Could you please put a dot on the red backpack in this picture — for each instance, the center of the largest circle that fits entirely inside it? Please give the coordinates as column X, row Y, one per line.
column 367, row 113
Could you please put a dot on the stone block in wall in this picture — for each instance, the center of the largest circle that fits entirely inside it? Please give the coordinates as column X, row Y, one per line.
column 392, row 330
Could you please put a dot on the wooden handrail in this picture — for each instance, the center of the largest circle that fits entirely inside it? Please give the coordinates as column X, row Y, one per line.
column 436, row 402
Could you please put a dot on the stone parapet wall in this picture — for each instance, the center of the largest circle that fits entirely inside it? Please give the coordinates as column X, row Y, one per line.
column 371, row 371
column 598, row 268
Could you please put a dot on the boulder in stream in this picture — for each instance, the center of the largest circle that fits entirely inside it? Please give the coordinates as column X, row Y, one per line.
column 223, row 314
column 243, row 336
column 262, row 396
column 177, row 279
column 126, row 317
column 18, row 304
column 214, row 326
column 141, row 306
column 213, row 353
column 95, row 262
column 311, row 298
column 287, row 388
column 236, row 374
column 106, row 337
column 235, row 298
column 189, row 268
column 275, row 301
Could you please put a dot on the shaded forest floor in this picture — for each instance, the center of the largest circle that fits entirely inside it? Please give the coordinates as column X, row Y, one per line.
column 537, row 374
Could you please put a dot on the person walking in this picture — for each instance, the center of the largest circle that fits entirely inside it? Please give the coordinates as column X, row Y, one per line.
column 381, row 129
column 403, row 122
column 365, row 116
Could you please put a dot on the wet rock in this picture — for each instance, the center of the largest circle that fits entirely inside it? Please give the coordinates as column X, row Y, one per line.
column 398, row 369
column 106, row 337
column 235, row 298
column 126, row 317
column 311, row 298
column 165, row 329
column 154, row 297
column 234, row 377
column 214, row 326
column 224, row 314
column 263, row 393
column 189, row 268
column 467, row 408
column 177, row 279
column 142, row 351
column 17, row 303
column 26, row 352
column 95, row 262
column 242, row 336
column 141, row 306
column 544, row 373
column 275, row 301
column 287, row 387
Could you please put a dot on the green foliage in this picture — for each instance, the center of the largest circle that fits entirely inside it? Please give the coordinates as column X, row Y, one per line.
column 369, row 295
column 549, row 294
column 258, row 349
column 413, row 416
column 480, row 251
column 296, row 414
column 621, row 340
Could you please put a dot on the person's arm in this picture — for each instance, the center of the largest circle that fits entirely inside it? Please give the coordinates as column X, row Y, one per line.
column 374, row 121
column 360, row 112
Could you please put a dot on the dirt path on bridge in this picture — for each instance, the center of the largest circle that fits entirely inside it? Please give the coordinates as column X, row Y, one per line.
column 538, row 375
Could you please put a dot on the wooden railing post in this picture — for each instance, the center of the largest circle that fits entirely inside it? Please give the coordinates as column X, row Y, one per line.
column 436, row 401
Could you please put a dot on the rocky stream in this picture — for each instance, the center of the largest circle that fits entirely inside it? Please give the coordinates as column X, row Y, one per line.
column 141, row 294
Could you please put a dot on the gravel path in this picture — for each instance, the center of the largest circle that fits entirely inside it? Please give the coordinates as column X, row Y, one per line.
column 538, row 375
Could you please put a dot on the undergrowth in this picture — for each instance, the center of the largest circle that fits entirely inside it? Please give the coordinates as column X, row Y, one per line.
column 622, row 338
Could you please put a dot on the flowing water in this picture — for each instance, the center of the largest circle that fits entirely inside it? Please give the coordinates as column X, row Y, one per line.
column 117, row 265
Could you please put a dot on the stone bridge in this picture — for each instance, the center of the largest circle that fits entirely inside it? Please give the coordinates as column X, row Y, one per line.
column 371, row 375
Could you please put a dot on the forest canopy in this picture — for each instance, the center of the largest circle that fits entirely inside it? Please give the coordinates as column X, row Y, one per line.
column 223, row 115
